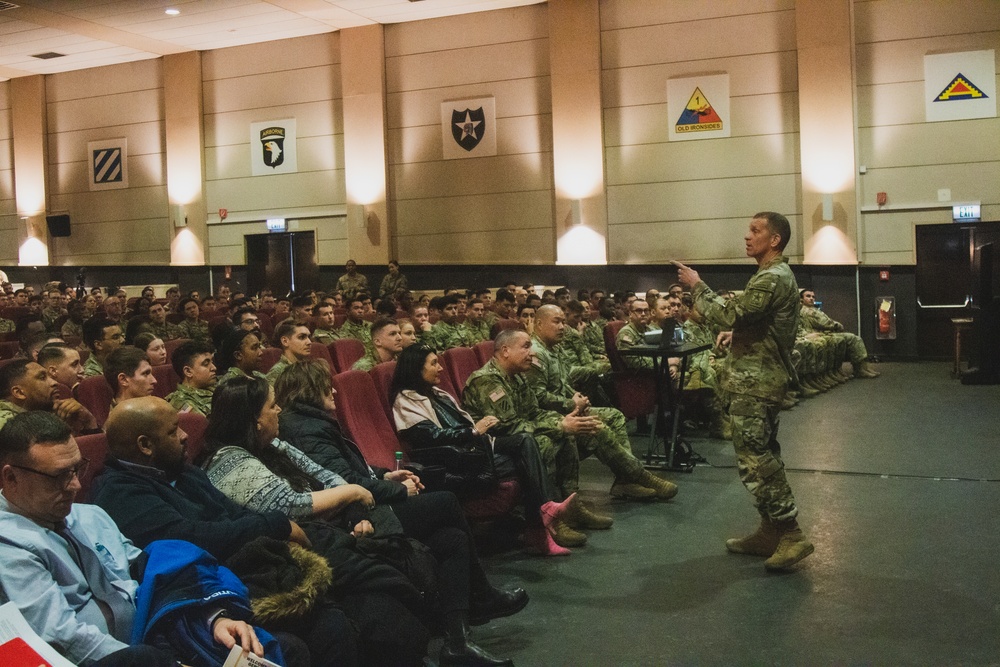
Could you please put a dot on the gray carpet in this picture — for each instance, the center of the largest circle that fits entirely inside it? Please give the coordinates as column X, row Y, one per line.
column 905, row 569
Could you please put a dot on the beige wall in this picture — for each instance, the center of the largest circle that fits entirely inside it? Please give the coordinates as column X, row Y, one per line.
column 109, row 227
column 485, row 210
column 906, row 158
column 296, row 78
column 8, row 206
column 691, row 200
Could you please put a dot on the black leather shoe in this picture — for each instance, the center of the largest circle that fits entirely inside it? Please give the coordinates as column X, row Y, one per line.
column 497, row 604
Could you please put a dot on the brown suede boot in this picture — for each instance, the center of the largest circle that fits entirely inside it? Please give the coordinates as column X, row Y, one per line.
column 762, row 542
column 631, row 491
column 663, row 489
column 864, row 370
column 793, row 546
column 579, row 515
column 565, row 536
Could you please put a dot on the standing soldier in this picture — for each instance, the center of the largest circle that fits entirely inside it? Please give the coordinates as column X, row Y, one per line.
column 759, row 326
column 392, row 282
column 352, row 283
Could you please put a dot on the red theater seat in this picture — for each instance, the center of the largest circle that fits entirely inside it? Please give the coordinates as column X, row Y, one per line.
column 345, row 352
column 96, row 396
column 363, row 418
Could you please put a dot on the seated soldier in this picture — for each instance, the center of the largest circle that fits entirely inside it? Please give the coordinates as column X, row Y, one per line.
column 67, row 567
column 173, row 299
column 325, row 317
column 238, row 355
column 53, row 309
column 477, row 326
column 158, row 323
column 25, row 385
column 128, row 373
column 630, row 335
column 819, row 322
column 192, row 326
column 593, row 334
column 193, row 364
column 387, row 343
column 526, row 314
column 501, row 390
column 73, row 326
column 31, row 344
column 62, row 363
column 355, row 326
column 302, row 307
column 103, row 337
column 421, row 322
column 549, row 380
column 586, row 371
column 505, row 308
column 447, row 332
column 295, row 344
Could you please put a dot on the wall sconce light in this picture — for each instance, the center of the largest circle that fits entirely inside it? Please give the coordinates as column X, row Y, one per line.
column 178, row 215
column 576, row 215
column 827, row 207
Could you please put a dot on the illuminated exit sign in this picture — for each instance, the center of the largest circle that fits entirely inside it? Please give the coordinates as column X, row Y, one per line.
column 965, row 213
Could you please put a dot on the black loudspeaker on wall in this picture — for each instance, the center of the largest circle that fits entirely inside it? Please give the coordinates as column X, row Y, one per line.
column 58, row 225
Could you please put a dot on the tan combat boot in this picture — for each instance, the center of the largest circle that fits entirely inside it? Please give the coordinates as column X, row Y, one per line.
column 579, row 515
column 662, row 489
column 763, row 542
column 565, row 536
column 631, row 491
column 793, row 546
column 808, row 392
column 864, row 370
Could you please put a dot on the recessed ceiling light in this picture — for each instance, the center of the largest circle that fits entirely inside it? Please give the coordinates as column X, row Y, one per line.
column 172, row 12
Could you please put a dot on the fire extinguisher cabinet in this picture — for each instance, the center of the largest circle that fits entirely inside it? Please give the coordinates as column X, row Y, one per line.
column 885, row 325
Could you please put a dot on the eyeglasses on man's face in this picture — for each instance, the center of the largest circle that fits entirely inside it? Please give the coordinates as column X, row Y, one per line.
column 62, row 479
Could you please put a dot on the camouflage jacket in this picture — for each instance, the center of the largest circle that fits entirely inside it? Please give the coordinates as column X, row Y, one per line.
column 367, row 362
column 235, row 372
column 701, row 372
column 7, row 326
column 477, row 333
column 490, row 391
column 549, row 379
column 815, row 320
column 390, row 284
column 576, row 356
column 324, row 336
column 630, row 336
column 188, row 399
column 69, row 328
column 92, row 366
column 197, row 330
column 593, row 336
column 443, row 336
column 165, row 331
column 361, row 331
column 763, row 320
column 49, row 317
column 351, row 285
column 281, row 364
column 8, row 411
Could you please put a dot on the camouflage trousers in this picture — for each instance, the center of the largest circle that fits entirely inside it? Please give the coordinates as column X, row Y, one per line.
column 758, row 456
column 610, row 445
column 853, row 347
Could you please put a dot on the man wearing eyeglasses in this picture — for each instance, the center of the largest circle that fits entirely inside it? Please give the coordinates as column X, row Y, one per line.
column 67, row 566
column 103, row 337
column 631, row 334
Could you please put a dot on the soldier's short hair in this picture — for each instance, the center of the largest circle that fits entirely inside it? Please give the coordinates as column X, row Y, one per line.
column 445, row 301
column 318, row 308
column 184, row 302
column 575, row 307
column 11, row 374
column 778, row 224
column 506, row 338
column 54, row 351
column 184, row 355
column 504, row 295
column 381, row 323
column 240, row 312
column 357, row 298
column 93, row 330
column 301, row 301
column 284, row 330
column 126, row 359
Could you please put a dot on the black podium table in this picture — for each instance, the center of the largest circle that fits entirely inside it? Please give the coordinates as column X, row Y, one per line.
column 667, row 399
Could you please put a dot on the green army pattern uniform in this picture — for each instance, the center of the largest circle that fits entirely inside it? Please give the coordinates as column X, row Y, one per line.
column 324, row 336
column 476, row 332
column 8, row 411
column 165, row 331
column 585, row 371
column 763, row 320
column 549, row 380
column 7, row 326
column 701, row 372
column 235, row 372
column 367, row 362
column 361, row 331
column 351, row 286
column 188, row 399
column 819, row 322
column 390, row 284
column 280, row 365
column 49, row 317
column 593, row 336
column 69, row 328
column 92, row 367
column 197, row 330
column 444, row 336
column 490, row 391
column 630, row 336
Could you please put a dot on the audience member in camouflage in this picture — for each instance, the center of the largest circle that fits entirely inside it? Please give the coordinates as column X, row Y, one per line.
column 630, row 335
column 192, row 326
column 854, row 348
column 447, row 332
column 477, row 324
column 158, row 323
column 102, row 337
column 355, row 326
column 394, row 280
column 295, row 346
column 549, row 380
column 193, row 363
column 352, row 283
column 762, row 323
column 324, row 334
column 387, row 343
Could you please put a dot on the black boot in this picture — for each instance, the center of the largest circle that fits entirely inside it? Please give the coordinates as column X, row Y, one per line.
column 459, row 649
column 496, row 603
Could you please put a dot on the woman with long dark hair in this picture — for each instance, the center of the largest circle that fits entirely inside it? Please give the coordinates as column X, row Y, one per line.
column 238, row 354
column 250, row 464
column 440, row 432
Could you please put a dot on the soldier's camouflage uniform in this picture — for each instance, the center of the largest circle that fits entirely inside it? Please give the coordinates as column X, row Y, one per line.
column 593, row 336
column 630, row 336
column 490, row 391
column 92, row 366
column 236, row 372
column 444, row 336
column 8, row 326
column 358, row 331
column 476, row 332
column 351, row 286
column 549, row 380
column 763, row 320
column 197, row 330
column 280, row 365
column 390, row 284
column 188, row 399
column 166, row 331
column 585, row 370
column 367, row 362
column 8, row 411
column 818, row 321
column 324, row 336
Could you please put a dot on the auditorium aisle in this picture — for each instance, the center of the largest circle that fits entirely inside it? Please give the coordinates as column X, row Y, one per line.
column 898, row 481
